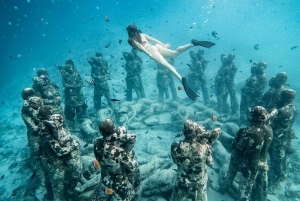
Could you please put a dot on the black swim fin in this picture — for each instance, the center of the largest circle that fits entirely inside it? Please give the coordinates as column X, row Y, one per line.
column 206, row 44
column 189, row 92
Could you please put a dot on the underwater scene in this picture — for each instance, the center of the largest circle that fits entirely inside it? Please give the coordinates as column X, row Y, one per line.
column 149, row 100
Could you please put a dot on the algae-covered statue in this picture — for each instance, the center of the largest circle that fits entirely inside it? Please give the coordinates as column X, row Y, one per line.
column 47, row 90
column 60, row 157
column 253, row 89
column 249, row 157
column 225, row 84
column 120, row 176
column 133, row 78
column 164, row 81
column 197, row 75
column 192, row 156
column 100, row 75
column 281, row 148
column 74, row 100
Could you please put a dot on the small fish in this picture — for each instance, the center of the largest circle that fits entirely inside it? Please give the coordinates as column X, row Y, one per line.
column 123, row 66
column 120, row 41
column 211, row 95
column 11, row 57
column 83, row 40
column 189, row 65
column 114, row 100
column 91, row 82
column 294, row 47
column 212, row 86
column 169, row 156
column 112, row 56
column 18, row 56
column 256, row 46
column 87, row 74
column 107, row 45
column 195, row 112
column 96, row 164
column 2, row 102
column 33, row 175
column 109, row 191
column 92, row 18
column 214, row 34
column 279, row 136
column 214, row 118
column 70, row 51
column 106, row 19
column 214, row 59
column 280, row 66
column 159, row 137
column 2, row 177
column 286, row 85
column 233, row 49
column 179, row 87
column 240, row 71
column 13, row 194
column 123, row 112
column 121, row 58
column 146, row 131
column 87, row 144
column 250, row 60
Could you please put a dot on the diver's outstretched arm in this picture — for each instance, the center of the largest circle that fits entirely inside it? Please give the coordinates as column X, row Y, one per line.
column 154, row 40
column 142, row 48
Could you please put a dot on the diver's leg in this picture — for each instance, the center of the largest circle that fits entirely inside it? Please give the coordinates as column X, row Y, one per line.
column 161, row 60
column 173, row 53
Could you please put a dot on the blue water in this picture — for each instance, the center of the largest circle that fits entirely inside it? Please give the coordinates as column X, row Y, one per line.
column 45, row 33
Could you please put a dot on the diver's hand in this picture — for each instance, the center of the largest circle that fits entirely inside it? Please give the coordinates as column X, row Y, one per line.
column 167, row 45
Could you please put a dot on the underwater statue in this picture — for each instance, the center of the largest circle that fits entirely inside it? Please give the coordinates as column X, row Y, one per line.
column 253, row 89
column 277, row 84
column 74, row 100
column 192, row 156
column 133, row 78
column 197, row 75
column 225, row 84
column 281, row 148
column 47, row 90
column 164, row 81
column 249, row 157
column 120, row 176
column 100, row 75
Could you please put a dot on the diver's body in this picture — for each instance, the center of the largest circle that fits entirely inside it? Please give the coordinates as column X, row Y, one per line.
column 158, row 51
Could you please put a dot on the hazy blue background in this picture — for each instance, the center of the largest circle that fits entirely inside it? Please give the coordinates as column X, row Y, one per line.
column 46, row 33
column 77, row 29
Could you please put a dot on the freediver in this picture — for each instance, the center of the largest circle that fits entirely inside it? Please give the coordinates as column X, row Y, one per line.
column 157, row 52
